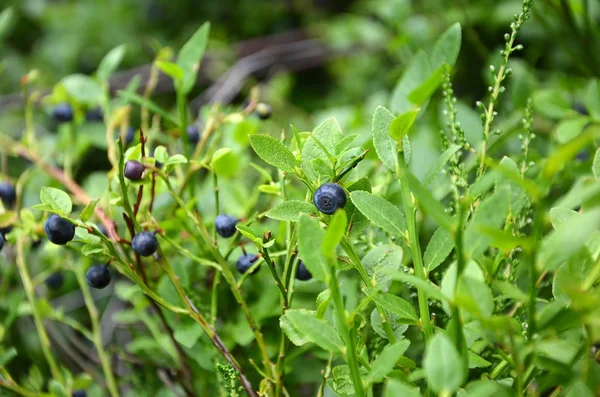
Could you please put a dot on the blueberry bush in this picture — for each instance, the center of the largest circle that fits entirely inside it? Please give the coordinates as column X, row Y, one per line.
column 412, row 246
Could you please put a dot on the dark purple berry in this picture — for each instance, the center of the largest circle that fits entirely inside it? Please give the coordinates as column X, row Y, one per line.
column 225, row 225
column 59, row 230
column 129, row 135
column 54, row 281
column 193, row 134
column 98, row 276
column 245, row 262
column 145, row 243
column 329, row 198
column 63, row 113
column 8, row 194
column 1, row 242
column 79, row 393
column 302, row 272
column 94, row 114
column 133, row 170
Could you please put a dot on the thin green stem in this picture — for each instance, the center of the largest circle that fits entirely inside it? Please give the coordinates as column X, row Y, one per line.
column 385, row 318
column 214, row 296
column 69, row 151
column 96, row 334
column 37, row 318
column 342, row 323
column 410, row 212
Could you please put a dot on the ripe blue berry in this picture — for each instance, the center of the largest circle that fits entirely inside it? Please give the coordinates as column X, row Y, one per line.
column 329, row 197
column 133, row 170
column 145, row 243
column 245, row 262
column 54, row 281
column 263, row 111
column 59, row 230
column 98, row 276
column 5, row 230
column 79, row 393
column 581, row 109
column 1, row 242
column 225, row 225
column 193, row 134
column 302, row 272
column 8, row 194
column 63, row 113
column 94, row 114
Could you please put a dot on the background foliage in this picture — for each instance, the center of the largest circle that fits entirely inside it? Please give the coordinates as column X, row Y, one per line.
column 507, row 267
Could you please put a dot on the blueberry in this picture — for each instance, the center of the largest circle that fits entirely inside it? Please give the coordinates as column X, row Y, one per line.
column 329, row 197
column 79, row 393
column 245, row 262
column 193, row 134
column 94, row 114
column 225, row 225
column 263, row 111
column 8, row 194
column 302, row 272
column 1, row 242
column 98, row 276
column 584, row 155
column 129, row 135
column 133, row 170
column 145, row 243
column 63, row 113
column 54, row 281
column 59, row 230
column 581, row 109
column 5, row 230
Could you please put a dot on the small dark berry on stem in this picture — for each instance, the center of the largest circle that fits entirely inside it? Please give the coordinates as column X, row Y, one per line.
column 263, row 111
column 225, row 225
column 98, row 276
column 581, row 109
column 8, row 194
column 54, row 281
column 302, row 272
column 94, row 114
column 59, row 230
column 79, row 393
column 5, row 230
column 1, row 242
column 63, row 113
column 193, row 134
column 133, row 170
column 329, row 198
column 145, row 243
column 245, row 262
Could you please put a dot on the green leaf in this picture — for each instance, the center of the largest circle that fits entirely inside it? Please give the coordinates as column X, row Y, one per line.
column 323, row 300
column 291, row 210
column 396, row 388
column 490, row 214
column 398, row 326
column 551, row 103
column 567, row 239
column 488, row 388
column 176, row 159
column 59, row 201
column 94, row 249
column 417, row 72
column 400, row 307
column 438, row 249
column 386, row 360
column 341, row 382
column 425, row 91
column 110, row 63
column 385, row 146
column 301, row 326
column 357, row 222
column 402, row 124
column 334, row 234
column 447, row 47
column 6, row 20
column 140, row 100
column 566, row 152
column 517, row 195
column 579, row 389
column 190, row 56
column 571, row 128
column 82, row 88
column 432, row 290
column 56, row 389
column 310, row 238
column 171, row 69
column 570, row 277
column 475, row 296
column 88, row 211
column 431, row 206
column 592, row 98
column 188, row 335
column 387, row 256
column 325, row 136
column 440, row 164
column 160, row 154
column 273, row 152
column 380, row 211
column 476, row 361
column 596, row 165
column 442, row 365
